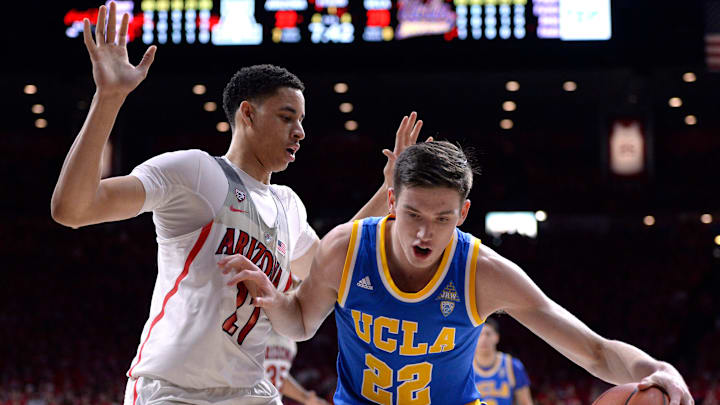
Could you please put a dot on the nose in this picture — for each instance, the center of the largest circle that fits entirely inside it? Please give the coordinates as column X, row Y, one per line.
column 424, row 232
column 298, row 132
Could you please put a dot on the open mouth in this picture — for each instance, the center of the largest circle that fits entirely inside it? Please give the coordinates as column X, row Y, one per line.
column 291, row 153
column 421, row 252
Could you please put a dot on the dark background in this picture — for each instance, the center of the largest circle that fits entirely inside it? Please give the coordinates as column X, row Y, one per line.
column 74, row 301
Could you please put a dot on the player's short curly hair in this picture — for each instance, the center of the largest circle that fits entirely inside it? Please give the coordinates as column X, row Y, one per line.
column 255, row 83
column 434, row 164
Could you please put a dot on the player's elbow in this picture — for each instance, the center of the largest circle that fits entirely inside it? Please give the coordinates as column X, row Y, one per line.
column 65, row 215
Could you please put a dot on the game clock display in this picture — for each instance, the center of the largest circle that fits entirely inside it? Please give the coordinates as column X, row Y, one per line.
column 250, row 22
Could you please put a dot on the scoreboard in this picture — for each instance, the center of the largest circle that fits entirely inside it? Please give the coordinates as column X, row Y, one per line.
column 253, row 23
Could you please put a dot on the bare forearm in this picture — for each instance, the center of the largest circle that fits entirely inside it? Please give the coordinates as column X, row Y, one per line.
column 377, row 206
column 294, row 390
column 80, row 175
column 622, row 363
column 286, row 317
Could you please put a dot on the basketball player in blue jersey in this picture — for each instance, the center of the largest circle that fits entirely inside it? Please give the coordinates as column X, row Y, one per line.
column 411, row 291
column 500, row 379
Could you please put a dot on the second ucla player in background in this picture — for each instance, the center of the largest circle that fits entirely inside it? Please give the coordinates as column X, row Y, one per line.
column 500, row 378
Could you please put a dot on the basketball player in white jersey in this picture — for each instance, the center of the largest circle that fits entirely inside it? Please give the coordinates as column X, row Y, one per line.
column 203, row 342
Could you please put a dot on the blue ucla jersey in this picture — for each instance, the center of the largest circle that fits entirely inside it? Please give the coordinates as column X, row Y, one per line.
column 399, row 348
column 497, row 385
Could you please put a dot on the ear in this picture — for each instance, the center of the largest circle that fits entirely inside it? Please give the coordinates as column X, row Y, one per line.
column 391, row 200
column 245, row 114
column 464, row 210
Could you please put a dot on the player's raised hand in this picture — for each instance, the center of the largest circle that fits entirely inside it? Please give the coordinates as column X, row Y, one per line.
column 670, row 380
column 112, row 71
column 258, row 284
column 405, row 136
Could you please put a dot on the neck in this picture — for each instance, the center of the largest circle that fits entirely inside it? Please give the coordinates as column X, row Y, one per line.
column 245, row 158
column 406, row 276
column 485, row 359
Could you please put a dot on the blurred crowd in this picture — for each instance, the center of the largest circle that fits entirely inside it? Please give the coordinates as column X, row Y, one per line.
column 72, row 315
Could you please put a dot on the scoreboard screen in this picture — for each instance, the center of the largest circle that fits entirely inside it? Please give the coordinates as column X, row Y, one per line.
column 253, row 23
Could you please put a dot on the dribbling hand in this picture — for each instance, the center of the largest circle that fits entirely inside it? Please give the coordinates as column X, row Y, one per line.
column 670, row 380
column 112, row 71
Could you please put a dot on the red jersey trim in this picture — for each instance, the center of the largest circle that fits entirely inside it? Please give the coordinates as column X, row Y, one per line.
column 193, row 253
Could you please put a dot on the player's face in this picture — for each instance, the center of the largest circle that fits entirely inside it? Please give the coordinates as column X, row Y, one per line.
column 425, row 219
column 277, row 128
column 488, row 339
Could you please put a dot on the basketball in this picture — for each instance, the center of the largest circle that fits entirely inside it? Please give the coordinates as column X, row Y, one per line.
column 628, row 394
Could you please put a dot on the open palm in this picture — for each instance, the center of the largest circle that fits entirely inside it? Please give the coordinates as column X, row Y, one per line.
column 112, row 71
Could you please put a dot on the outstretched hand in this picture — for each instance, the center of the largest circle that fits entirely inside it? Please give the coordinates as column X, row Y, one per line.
column 673, row 384
column 406, row 135
column 112, row 71
column 258, row 284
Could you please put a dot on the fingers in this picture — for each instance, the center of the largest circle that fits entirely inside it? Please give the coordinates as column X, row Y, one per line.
column 388, row 153
column 429, row 139
column 112, row 23
column 236, row 262
column 251, row 276
column 644, row 384
column 122, row 36
column 401, row 131
column 147, row 59
column 87, row 36
column 100, row 26
column 415, row 132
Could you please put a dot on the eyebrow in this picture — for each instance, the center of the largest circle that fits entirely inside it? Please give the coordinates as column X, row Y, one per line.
column 437, row 213
column 291, row 110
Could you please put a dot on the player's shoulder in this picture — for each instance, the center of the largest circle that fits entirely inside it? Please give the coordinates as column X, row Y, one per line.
column 187, row 154
column 288, row 196
column 493, row 266
column 337, row 241
column 517, row 364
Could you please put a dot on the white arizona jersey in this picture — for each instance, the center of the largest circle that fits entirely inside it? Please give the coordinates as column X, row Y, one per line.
column 202, row 333
column 279, row 355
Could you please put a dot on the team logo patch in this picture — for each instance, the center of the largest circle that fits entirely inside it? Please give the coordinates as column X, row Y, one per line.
column 239, row 195
column 448, row 297
column 446, row 307
column 268, row 237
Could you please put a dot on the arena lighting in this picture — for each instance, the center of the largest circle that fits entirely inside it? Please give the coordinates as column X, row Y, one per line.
column 41, row 123
column 509, row 106
column 675, row 102
column 512, row 86
column 540, row 215
column 689, row 77
column 210, row 106
column 519, row 222
column 717, row 240
column 569, row 86
column 222, row 126
column 346, row 107
column 649, row 220
column 38, row 109
column 691, row 120
column 706, row 218
column 506, row 124
column 30, row 89
column 199, row 89
column 340, row 88
column 351, row 125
